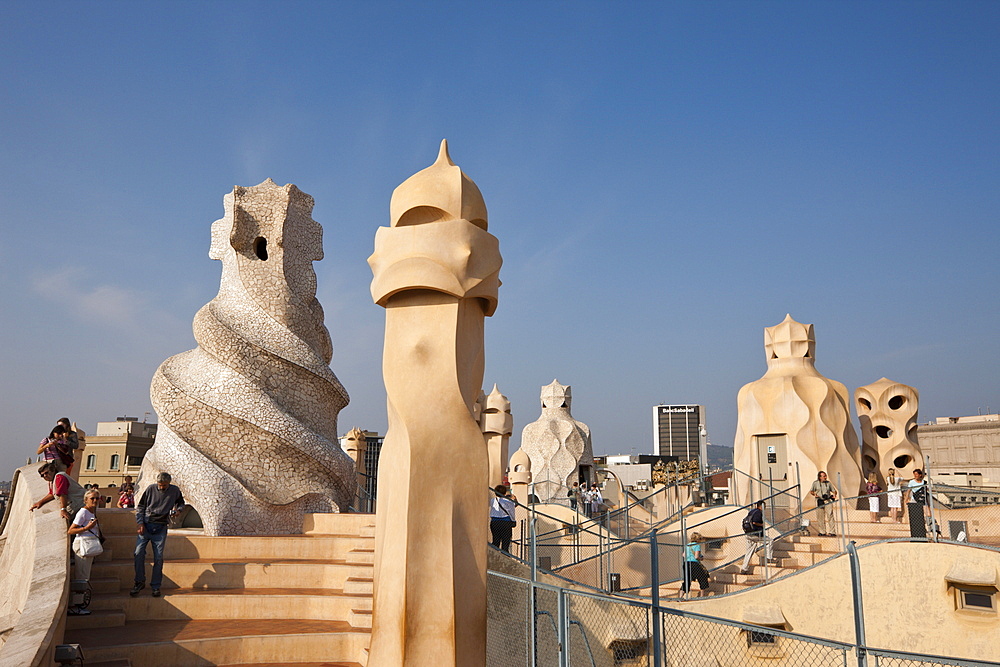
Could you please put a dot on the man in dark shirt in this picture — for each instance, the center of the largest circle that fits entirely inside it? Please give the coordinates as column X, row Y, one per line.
column 152, row 515
column 756, row 537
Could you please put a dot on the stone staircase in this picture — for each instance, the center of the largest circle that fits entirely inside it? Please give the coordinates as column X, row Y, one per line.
column 793, row 553
column 289, row 599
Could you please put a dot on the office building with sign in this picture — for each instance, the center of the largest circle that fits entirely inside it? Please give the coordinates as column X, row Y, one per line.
column 679, row 432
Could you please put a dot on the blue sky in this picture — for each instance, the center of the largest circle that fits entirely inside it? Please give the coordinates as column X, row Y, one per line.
column 665, row 179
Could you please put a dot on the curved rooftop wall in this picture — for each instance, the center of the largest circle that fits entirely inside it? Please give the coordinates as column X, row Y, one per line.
column 34, row 574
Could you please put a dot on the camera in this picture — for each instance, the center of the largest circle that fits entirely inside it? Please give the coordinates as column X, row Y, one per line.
column 825, row 498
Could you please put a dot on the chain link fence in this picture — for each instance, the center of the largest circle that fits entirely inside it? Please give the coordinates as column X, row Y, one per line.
column 539, row 625
column 599, row 552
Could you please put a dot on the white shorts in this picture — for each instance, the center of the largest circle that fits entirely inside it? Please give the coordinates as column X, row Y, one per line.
column 873, row 503
column 895, row 500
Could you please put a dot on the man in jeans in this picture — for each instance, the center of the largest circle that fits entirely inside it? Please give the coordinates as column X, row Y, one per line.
column 152, row 515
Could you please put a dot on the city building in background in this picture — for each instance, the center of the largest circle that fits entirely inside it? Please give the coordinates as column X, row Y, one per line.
column 115, row 450
column 964, row 451
column 679, row 432
column 633, row 471
column 367, row 467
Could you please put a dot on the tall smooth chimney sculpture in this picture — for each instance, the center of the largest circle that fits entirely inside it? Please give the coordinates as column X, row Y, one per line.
column 793, row 415
column 436, row 273
column 497, row 424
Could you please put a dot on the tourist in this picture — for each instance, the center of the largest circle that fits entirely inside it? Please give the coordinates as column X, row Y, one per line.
column 56, row 448
column 126, row 494
column 585, row 496
column 917, row 497
column 574, row 493
column 157, row 504
column 895, row 495
column 596, row 500
column 824, row 493
column 72, row 437
column 755, row 536
column 100, row 496
column 86, row 529
column 502, row 521
column 59, row 488
column 874, row 492
column 916, row 488
column 693, row 568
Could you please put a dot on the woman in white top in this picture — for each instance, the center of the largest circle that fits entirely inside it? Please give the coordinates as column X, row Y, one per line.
column 502, row 520
column 595, row 500
column 895, row 496
column 85, row 522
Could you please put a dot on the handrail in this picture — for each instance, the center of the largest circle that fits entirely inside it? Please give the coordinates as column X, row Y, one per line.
column 583, row 633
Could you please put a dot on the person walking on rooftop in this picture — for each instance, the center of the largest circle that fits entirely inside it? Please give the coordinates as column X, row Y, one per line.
column 824, row 493
column 156, row 505
column 693, row 569
column 754, row 527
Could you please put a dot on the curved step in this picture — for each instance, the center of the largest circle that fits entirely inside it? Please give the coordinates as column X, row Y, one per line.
column 261, row 573
column 168, row 643
column 220, row 604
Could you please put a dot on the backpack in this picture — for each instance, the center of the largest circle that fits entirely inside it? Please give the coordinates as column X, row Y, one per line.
column 748, row 526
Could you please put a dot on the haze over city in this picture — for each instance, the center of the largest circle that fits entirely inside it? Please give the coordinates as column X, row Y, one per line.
column 665, row 181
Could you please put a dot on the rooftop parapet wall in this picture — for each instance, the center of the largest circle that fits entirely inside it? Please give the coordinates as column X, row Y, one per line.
column 909, row 603
column 34, row 588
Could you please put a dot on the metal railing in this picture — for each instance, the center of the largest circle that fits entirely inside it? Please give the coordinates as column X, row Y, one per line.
column 535, row 624
column 591, row 553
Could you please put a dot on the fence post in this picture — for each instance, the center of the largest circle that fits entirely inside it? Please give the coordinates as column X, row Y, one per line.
column 534, row 538
column 563, row 630
column 533, row 602
column 682, row 552
column 602, row 581
column 859, row 612
column 930, row 497
column 843, row 523
column 798, row 483
column 654, row 571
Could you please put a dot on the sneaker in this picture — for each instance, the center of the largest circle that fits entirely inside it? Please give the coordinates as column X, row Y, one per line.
column 156, row 592
column 139, row 585
column 78, row 611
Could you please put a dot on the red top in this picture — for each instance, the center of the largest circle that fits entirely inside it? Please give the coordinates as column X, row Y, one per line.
column 59, row 486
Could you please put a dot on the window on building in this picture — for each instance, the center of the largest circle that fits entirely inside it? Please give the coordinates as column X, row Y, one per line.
column 976, row 598
column 91, row 461
column 759, row 638
column 114, row 461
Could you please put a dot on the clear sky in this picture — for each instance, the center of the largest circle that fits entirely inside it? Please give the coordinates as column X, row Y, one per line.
column 666, row 179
